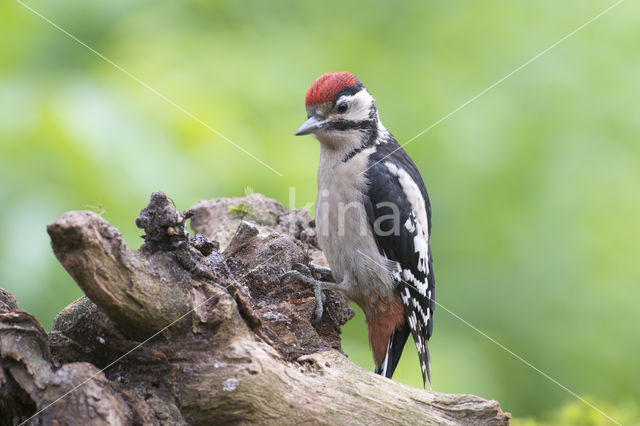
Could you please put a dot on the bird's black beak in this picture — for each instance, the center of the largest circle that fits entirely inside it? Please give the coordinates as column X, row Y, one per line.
column 315, row 122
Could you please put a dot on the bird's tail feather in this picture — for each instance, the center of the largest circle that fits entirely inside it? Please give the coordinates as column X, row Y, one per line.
column 424, row 356
column 394, row 351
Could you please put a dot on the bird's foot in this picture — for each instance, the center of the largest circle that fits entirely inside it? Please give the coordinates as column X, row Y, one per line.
column 303, row 274
column 324, row 272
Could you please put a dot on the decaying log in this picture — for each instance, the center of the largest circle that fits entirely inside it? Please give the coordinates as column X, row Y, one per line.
column 180, row 332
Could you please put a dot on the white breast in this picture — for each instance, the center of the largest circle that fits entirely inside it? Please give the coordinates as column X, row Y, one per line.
column 344, row 233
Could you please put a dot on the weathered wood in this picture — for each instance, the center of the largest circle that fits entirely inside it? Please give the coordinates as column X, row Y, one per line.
column 230, row 343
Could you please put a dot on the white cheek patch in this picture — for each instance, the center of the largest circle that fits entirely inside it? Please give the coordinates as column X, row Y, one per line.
column 359, row 105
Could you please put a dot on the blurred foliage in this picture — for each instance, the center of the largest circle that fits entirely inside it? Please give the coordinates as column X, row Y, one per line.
column 534, row 186
column 578, row 414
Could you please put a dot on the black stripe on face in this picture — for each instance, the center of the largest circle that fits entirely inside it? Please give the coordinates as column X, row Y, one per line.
column 368, row 140
column 353, row 153
column 350, row 125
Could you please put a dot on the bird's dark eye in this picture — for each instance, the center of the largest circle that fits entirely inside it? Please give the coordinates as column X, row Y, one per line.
column 342, row 107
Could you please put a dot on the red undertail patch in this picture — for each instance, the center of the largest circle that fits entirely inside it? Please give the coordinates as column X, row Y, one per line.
column 381, row 326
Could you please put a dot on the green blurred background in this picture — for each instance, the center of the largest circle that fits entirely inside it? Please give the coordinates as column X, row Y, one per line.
column 534, row 186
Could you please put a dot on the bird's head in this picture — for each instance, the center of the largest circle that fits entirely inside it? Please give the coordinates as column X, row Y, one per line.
column 339, row 110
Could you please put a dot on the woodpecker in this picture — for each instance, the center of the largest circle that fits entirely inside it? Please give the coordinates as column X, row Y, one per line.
column 373, row 220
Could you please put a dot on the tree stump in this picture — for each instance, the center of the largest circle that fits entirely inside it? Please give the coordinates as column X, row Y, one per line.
column 180, row 332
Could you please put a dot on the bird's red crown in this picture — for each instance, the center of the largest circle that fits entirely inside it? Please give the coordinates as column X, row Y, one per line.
column 328, row 85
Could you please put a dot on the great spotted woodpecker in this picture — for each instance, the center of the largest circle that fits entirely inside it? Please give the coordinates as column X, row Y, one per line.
column 373, row 220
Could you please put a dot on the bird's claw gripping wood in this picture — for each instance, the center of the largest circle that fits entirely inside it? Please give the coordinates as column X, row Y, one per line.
column 324, row 272
column 303, row 274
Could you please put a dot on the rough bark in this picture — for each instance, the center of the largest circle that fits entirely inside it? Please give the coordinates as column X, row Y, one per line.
column 179, row 332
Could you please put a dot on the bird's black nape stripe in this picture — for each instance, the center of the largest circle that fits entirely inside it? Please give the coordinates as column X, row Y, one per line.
column 373, row 112
column 349, row 91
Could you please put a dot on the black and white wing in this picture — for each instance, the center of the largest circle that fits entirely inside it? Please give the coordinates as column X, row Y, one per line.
column 398, row 209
